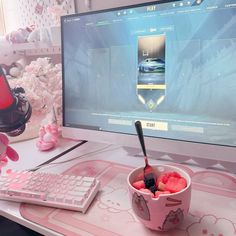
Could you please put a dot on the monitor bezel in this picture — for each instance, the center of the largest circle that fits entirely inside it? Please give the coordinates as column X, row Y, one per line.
column 195, row 150
column 156, row 144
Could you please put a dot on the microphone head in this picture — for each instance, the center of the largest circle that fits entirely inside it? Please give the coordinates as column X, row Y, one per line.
column 15, row 110
column 6, row 96
column 13, row 120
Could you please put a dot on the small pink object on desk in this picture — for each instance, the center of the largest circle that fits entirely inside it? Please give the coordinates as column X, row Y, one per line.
column 48, row 136
column 6, row 151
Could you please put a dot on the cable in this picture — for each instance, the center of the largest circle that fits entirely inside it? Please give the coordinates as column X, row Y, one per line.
column 59, row 155
column 46, row 164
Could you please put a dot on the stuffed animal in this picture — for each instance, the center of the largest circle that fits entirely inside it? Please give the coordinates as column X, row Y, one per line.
column 6, row 151
column 48, row 137
column 13, row 70
column 49, row 132
column 39, row 35
column 8, row 55
column 18, row 36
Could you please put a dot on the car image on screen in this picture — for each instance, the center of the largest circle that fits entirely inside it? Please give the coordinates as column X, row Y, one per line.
column 152, row 65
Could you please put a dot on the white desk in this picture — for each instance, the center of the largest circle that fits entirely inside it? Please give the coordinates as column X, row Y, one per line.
column 30, row 157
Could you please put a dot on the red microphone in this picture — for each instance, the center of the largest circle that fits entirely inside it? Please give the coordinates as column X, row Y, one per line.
column 6, row 97
column 15, row 110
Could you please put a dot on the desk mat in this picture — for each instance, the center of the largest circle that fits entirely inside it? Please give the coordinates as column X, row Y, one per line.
column 212, row 211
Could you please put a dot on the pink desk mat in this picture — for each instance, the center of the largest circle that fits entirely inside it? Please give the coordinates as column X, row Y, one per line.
column 212, row 211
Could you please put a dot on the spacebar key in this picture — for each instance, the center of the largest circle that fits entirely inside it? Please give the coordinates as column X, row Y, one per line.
column 27, row 194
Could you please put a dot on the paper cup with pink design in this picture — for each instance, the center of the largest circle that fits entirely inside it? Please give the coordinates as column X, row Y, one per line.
column 163, row 212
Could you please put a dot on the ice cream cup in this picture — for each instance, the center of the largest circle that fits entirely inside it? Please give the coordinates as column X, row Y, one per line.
column 162, row 213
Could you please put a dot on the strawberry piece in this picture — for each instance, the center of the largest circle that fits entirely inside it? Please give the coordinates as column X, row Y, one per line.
column 165, row 176
column 161, row 186
column 158, row 193
column 175, row 174
column 145, row 190
column 139, row 184
column 162, row 178
column 175, row 184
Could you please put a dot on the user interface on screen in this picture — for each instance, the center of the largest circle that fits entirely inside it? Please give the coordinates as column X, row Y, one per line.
column 171, row 65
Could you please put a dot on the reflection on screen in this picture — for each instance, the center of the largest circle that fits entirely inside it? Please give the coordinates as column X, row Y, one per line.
column 170, row 65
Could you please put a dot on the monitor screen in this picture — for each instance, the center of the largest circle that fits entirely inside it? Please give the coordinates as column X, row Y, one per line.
column 169, row 64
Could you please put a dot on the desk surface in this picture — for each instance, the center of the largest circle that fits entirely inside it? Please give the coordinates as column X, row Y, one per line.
column 31, row 157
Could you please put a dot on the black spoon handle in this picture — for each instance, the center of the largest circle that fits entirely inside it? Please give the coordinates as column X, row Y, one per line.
column 139, row 130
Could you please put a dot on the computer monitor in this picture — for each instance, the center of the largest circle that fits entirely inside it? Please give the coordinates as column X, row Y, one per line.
column 169, row 64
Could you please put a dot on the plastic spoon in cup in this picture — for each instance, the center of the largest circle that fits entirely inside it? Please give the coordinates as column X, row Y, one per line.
column 148, row 172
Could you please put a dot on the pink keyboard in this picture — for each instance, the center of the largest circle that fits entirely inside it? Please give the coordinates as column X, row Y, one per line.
column 53, row 190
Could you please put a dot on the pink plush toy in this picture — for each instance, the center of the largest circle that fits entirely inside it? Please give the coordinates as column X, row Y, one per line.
column 6, row 151
column 19, row 36
column 48, row 136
